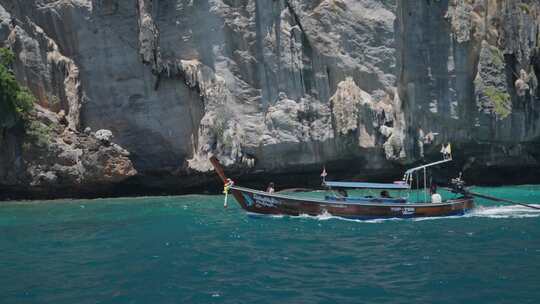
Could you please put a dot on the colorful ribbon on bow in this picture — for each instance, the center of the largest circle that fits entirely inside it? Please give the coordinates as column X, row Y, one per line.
column 226, row 188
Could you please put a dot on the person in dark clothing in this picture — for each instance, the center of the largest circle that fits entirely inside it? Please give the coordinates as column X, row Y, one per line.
column 342, row 192
column 385, row 194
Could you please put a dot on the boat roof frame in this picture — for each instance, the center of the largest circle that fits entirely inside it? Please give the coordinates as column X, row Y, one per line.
column 364, row 185
column 412, row 170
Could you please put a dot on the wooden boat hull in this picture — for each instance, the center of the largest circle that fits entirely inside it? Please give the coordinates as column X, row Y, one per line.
column 265, row 203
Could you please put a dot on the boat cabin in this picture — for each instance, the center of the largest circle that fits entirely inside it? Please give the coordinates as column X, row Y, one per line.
column 377, row 192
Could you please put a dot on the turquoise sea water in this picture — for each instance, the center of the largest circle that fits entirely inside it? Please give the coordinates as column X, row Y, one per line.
column 188, row 249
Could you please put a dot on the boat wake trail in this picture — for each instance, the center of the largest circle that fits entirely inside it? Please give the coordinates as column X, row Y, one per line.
column 511, row 211
column 495, row 212
column 327, row 216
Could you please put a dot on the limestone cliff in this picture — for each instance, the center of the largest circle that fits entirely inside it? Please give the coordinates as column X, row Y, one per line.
column 285, row 86
column 47, row 155
column 468, row 73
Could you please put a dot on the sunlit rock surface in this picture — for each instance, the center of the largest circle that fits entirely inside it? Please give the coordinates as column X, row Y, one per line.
column 286, row 86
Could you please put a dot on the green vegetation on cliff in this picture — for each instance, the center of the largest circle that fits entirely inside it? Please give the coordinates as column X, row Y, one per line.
column 37, row 133
column 15, row 100
column 502, row 106
column 497, row 56
column 525, row 8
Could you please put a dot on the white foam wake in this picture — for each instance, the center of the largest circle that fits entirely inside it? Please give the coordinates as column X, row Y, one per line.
column 327, row 216
column 496, row 212
column 510, row 211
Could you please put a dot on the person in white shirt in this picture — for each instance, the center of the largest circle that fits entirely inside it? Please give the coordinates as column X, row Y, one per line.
column 270, row 188
column 436, row 198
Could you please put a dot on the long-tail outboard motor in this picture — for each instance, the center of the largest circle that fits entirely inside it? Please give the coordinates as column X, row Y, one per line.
column 458, row 185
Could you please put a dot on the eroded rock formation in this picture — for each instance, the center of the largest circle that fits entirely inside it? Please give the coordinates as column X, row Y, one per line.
column 280, row 86
column 47, row 154
column 468, row 74
column 49, row 158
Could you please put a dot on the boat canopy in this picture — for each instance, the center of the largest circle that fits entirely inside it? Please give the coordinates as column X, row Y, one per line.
column 360, row 185
column 412, row 170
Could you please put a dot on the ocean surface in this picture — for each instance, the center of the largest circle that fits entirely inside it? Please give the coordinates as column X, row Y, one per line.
column 189, row 249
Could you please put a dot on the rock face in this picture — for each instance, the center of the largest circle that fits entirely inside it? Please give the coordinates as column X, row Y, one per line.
column 468, row 73
column 51, row 160
column 285, row 86
column 104, row 136
column 48, row 156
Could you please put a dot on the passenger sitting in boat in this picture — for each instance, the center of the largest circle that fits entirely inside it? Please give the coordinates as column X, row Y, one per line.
column 436, row 197
column 433, row 188
column 385, row 194
column 342, row 193
column 270, row 188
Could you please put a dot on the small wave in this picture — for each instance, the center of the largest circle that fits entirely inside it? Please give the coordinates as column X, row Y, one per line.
column 257, row 215
column 321, row 217
column 434, row 218
column 382, row 220
column 327, row 216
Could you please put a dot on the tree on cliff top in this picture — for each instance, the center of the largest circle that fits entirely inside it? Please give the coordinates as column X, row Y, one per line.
column 15, row 100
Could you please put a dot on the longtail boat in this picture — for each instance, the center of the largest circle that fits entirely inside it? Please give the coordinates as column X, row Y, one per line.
column 341, row 205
